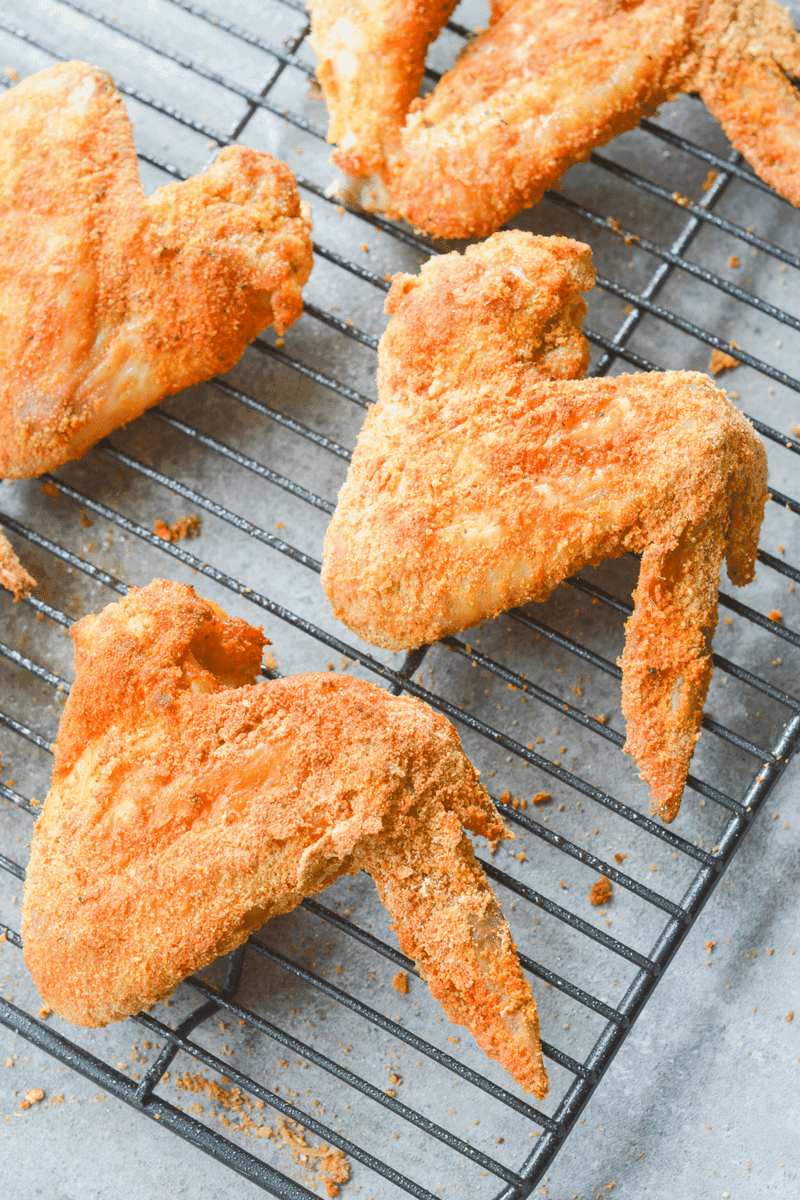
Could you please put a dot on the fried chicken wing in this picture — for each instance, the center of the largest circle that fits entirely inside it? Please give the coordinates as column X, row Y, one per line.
column 368, row 106
column 110, row 301
column 546, row 84
column 487, row 473
column 190, row 804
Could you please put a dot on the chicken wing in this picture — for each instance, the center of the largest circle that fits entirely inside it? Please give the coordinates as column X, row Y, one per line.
column 546, row 84
column 487, row 473
column 368, row 106
column 190, row 804
column 110, row 301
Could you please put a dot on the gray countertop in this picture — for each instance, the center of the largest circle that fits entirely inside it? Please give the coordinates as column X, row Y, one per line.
column 702, row 1098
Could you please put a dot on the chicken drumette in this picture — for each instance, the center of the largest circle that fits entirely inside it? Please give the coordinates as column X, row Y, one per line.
column 487, row 473
column 190, row 804
column 110, row 300
column 538, row 91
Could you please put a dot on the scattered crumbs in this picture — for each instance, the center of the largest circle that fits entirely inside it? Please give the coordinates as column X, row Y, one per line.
column 32, row 1096
column 602, row 892
column 365, row 247
column 795, row 430
column 728, row 621
column 400, row 983
column 184, row 527
column 602, row 719
column 781, row 548
column 50, row 489
column 720, row 361
column 541, row 798
column 789, row 1016
column 330, row 666
column 279, row 525
column 710, row 177
column 561, row 884
column 12, row 75
column 627, row 310
column 44, row 1012
column 710, row 945
column 521, row 856
column 680, row 200
column 775, row 615
column 86, row 521
column 614, row 224
column 339, row 210
column 620, row 857
column 733, row 261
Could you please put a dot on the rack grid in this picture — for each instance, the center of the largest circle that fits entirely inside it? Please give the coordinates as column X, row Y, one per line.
column 322, row 372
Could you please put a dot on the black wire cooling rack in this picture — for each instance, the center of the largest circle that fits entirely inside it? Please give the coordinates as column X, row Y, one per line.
column 671, row 289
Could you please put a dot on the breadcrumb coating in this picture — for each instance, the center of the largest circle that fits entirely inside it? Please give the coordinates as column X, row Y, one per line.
column 189, row 805
column 109, row 300
column 544, row 86
column 487, row 473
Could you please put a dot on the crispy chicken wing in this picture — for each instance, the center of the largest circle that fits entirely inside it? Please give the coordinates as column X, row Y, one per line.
column 190, row 804
column 487, row 473
column 546, row 84
column 110, row 301
column 368, row 106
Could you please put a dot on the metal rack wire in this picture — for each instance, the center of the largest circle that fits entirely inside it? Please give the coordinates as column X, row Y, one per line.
column 619, row 338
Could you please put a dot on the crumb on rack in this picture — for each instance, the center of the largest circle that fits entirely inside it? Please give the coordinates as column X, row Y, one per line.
column 184, row 527
column 720, row 361
column 331, row 1165
column 602, row 892
column 541, row 798
column 400, row 982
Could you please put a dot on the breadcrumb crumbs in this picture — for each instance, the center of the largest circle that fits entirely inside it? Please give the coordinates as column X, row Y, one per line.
column 184, row 527
column 720, row 361
column 400, row 983
column 602, row 891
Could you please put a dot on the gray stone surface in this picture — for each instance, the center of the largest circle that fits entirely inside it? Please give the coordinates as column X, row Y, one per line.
column 701, row 1100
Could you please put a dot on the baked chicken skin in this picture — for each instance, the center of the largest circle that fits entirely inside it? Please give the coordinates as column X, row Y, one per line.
column 110, row 300
column 487, row 473
column 539, row 90
column 189, row 804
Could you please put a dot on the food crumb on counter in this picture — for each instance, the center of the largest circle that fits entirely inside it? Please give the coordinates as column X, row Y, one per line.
column 602, row 892
column 400, row 982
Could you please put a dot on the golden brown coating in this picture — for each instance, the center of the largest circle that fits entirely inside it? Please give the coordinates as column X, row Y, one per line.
column 547, row 83
column 110, row 301
column 368, row 107
column 189, row 805
column 486, row 474
column 12, row 573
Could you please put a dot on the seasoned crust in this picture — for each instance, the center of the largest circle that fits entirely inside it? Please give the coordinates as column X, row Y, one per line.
column 545, row 85
column 485, row 475
column 110, row 301
column 189, row 804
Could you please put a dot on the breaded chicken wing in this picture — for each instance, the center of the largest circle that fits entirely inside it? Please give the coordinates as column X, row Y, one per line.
column 190, row 804
column 370, row 63
column 487, row 473
column 110, row 301
column 546, row 84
